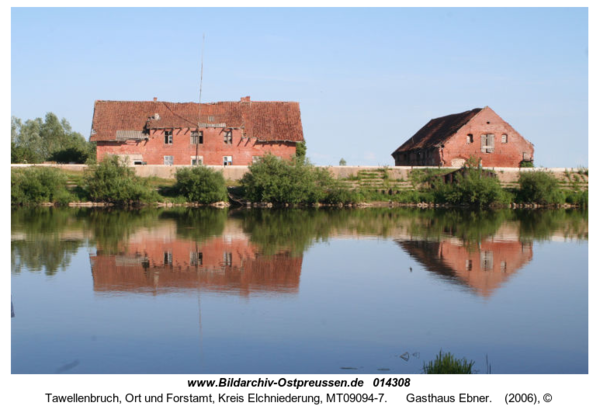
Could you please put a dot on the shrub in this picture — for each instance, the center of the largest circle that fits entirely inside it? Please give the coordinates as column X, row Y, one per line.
column 36, row 185
column 540, row 188
column 295, row 181
column 446, row 363
column 474, row 187
column 201, row 184
column 578, row 198
column 111, row 181
column 301, row 150
column 526, row 164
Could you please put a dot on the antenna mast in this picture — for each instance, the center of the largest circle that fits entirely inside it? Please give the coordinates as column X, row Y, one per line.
column 200, row 98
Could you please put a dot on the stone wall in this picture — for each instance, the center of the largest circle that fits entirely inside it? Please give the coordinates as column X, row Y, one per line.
column 236, row 172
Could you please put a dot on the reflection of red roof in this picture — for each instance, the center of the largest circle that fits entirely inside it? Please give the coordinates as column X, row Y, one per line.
column 266, row 121
column 438, row 130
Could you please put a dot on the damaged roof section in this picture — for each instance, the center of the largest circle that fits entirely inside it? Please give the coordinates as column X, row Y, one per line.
column 436, row 131
column 265, row 121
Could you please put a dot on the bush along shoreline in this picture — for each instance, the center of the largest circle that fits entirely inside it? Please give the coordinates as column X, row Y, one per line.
column 274, row 182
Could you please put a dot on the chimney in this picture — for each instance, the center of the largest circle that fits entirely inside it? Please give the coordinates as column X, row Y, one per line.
column 246, row 99
column 155, row 99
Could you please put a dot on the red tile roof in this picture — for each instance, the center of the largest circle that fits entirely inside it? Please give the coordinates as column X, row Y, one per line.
column 266, row 121
column 437, row 131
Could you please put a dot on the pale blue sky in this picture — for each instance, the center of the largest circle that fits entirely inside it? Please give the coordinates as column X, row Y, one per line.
column 366, row 79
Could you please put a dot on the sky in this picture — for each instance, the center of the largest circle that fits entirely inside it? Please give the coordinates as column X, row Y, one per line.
column 367, row 79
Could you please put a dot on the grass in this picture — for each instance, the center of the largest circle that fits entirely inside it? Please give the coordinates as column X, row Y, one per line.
column 447, row 363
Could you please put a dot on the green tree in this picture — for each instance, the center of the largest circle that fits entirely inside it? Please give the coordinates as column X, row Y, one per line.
column 342, row 162
column 50, row 139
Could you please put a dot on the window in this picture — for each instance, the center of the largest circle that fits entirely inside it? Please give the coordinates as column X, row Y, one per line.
column 168, row 137
column 168, row 160
column 195, row 259
column 227, row 137
column 138, row 162
column 255, row 159
column 470, row 138
column 486, row 260
column 227, row 160
column 196, row 138
column 487, row 143
column 469, row 265
column 168, row 258
column 197, row 160
column 227, row 259
column 504, row 138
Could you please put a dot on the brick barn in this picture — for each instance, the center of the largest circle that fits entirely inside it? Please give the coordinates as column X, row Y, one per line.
column 451, row 140
column 223, row 133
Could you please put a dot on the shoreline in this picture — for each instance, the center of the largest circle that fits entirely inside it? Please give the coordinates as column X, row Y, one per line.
column 269, row 205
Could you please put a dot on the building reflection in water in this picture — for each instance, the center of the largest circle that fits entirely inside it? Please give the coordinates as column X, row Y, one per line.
column 156, row 261
column 482, row 266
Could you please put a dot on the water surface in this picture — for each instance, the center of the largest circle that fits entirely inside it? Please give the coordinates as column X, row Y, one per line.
column 297, row 291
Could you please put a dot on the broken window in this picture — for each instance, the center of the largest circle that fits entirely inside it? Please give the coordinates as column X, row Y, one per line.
column 168, row 137
column 504, row 138
column 227, row 160
column 255, row 159
column 196, row 259
column 168, row 160
column 470, row 138
column 168, row 258
column 197, row 160
column 487, row 143
column 196, row 138
column 227, row 137
column 469, row 265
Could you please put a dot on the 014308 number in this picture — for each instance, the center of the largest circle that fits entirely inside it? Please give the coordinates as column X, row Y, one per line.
column 392, row 382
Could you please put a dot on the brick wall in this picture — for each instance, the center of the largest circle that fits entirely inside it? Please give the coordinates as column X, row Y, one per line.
column 212, row 150
column 508, row 154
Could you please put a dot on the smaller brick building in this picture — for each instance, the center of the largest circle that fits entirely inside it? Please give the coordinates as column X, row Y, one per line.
column 223, row 133
column 451, row 140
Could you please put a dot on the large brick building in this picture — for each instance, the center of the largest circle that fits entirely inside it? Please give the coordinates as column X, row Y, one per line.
column 223, row 133
column 452, row 139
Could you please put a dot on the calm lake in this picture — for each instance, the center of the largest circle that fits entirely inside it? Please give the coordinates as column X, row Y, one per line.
column 297, row 291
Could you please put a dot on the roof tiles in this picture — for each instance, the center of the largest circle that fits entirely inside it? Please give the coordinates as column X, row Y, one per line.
column 266, row 121
column 437, row 130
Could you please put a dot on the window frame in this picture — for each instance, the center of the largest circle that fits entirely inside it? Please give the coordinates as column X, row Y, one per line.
column 228, row 158
column 165, row 160
column 168, row 134
column 196, row 158
column 228, row 137
column 199, row 137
